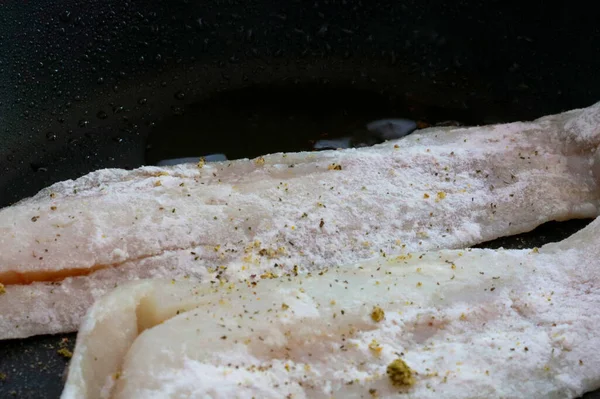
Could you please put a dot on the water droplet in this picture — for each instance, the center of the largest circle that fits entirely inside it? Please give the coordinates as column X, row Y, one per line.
column 83, row 123
column 141, row 60
column 179, row 95
column 142, row 101
column 38, row 167
column 101, row 115
column 177, row 111
column 323, row 30
column 100, row 81
column 65, row 16
column 51, row 136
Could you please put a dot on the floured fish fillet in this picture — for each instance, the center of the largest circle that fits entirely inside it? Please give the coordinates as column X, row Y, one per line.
column 438, row 188
column 457, row 324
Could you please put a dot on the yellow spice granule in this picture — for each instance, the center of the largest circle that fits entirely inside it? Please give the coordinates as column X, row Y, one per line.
column 377, row 314
column 64, row 352
column 400, row 374
column 375, row 347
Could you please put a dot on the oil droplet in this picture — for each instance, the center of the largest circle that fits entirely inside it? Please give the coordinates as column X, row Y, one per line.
column 101, row 115
column 83, row 123
column 179, row 95
column 38, row 167
column 51, row 136
column 177, row 111
column 65, row 16
column 142, row 101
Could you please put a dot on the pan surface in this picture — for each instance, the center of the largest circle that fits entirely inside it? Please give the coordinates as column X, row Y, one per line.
column 93, row 84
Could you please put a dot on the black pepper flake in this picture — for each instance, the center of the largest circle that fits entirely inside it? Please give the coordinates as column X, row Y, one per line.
column 321, row 224
column 35, row 218
column 224, row 337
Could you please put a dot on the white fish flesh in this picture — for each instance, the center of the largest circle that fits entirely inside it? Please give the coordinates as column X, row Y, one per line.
column 457, row 324
column 438, row 188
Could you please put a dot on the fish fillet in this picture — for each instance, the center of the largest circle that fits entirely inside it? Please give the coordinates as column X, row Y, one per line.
column 463, row 324
column 438, row 188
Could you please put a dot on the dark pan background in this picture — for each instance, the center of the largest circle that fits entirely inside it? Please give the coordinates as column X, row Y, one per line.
column 93, row 84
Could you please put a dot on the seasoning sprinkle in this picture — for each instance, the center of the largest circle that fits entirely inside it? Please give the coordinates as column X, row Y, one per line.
column 64, row 352
column 377, row 314
column 400, row 374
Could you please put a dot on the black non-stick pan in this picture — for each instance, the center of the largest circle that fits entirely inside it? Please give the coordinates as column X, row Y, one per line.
column 89, row 84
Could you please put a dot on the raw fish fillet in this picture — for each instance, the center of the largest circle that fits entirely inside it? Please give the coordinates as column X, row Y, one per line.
column 462, row 323
column 435, row 189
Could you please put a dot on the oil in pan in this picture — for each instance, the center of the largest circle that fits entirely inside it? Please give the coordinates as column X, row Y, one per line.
column 254, row 121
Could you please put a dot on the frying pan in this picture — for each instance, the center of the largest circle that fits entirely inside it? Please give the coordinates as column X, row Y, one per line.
column 95, row 84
